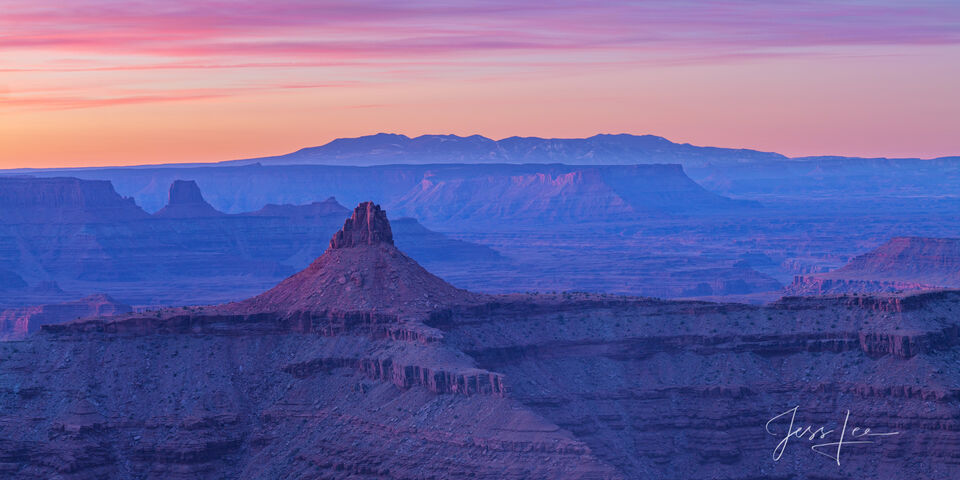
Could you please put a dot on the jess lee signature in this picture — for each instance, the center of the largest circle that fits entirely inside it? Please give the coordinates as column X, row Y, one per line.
column 831, row 449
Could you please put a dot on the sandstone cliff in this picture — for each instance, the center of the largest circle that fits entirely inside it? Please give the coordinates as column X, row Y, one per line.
column 63, row 200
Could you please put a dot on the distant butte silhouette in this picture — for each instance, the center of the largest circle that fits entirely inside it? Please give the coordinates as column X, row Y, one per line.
column 186, row 201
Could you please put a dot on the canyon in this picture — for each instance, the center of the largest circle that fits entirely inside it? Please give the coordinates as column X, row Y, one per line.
column 641, row 311
column 189, row 251
column 74, row 238
column 365, row 365
column 736, row 225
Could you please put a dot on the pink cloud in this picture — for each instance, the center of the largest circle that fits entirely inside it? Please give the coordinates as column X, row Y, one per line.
column 67, row 102
column 298, row 29
column 64, row 98
column 381, row 40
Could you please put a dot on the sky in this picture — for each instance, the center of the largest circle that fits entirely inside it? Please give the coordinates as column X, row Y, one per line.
column 108, row 82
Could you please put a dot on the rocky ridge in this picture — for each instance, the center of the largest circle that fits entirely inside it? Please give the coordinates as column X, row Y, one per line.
column 901, row 264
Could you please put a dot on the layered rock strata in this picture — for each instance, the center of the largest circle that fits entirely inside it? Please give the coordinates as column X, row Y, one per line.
column 389, row 374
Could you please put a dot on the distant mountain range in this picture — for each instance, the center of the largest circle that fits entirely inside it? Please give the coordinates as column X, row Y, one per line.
column 741, row 173
column 738, row 172
column 603, row 149
column 623, row 149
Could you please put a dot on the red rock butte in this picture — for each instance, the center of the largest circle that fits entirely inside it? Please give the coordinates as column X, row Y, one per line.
column 185, row 200
column 367, row 226
column 362, row 270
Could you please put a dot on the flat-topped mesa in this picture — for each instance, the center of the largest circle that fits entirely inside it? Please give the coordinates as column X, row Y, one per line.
column 63, row 200
column 367, row 226
column 186, row 201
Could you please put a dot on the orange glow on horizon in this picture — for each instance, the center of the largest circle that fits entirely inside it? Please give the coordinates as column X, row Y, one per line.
column 190, row 85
